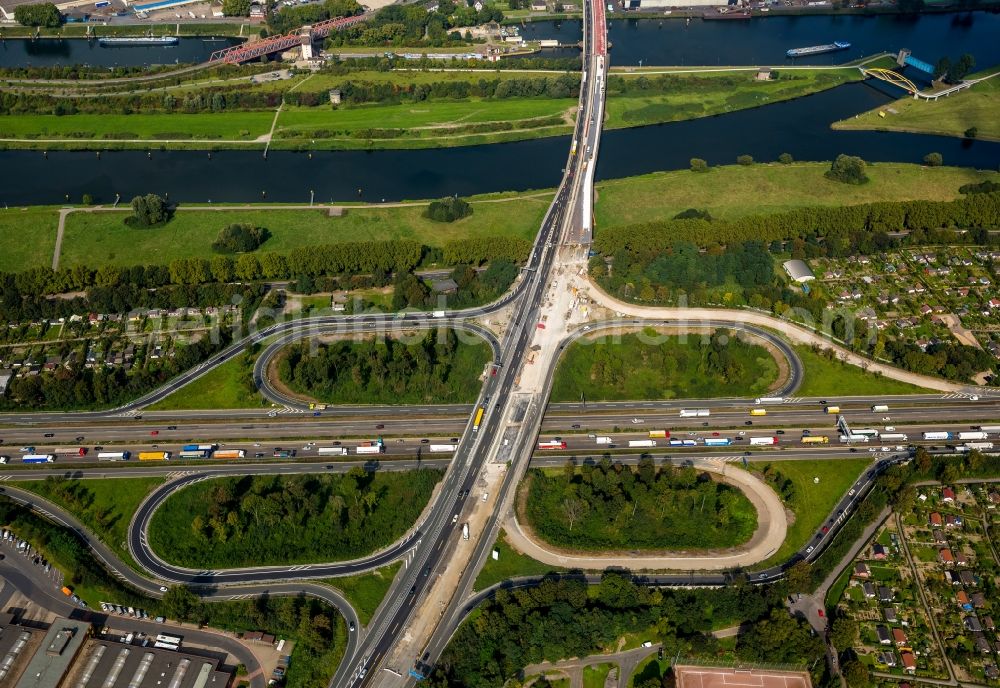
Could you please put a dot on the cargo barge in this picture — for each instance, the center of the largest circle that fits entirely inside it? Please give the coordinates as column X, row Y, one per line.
column 818, row 49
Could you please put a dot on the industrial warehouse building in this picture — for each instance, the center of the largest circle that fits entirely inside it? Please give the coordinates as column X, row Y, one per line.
column 67, row 655
column 798, row 271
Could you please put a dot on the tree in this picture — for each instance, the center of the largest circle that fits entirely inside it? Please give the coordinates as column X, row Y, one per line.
column 959, row 70
column 848, row 169
column 785, row 158
column 745, row 160
column 856, row 673
column 148, row 211
column 843, row 633
column 240, row 238
column 180, row 603
column 42, row 14
column 933, row 160
column 236, row 8
column 573, row 509
column 87, row 199
column 800, row 577
column 971, row 133
column 698, row 165
column 448, row 209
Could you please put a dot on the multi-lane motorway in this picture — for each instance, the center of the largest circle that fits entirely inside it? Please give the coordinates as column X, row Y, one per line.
column 513, row 412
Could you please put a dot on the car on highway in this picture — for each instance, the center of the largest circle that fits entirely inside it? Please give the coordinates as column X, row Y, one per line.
column 317, row 413
column 163, row 588
column 80, row 438
column 779, row 432
column 715, row 434
column 810, row 548
column 351, row 627
column 50, row 434
column 826, row 529
column 154, row 433
column 27, row 450
column 425, row 441
column 454, row 439
column 748, row 422
column 380, row 426
column 576, row 426
column 454, row 519
column 807, row 433
column 171, row 427
column 637, row 421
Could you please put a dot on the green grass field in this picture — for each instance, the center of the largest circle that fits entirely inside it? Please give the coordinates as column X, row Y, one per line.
column 365, row 592
column 594, row 676
column 949, row 116
column 103, row 506
column 734, row 191
column 96, row 238
column 510, row 564
column 813, row 501
column 715, row 93
column 220, row 388
column 603, row 369
column 825, row 377
column 156, row 126
column 27, row 237
column 299, row 122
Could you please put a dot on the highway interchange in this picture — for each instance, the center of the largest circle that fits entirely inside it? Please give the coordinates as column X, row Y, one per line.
column 515, row 411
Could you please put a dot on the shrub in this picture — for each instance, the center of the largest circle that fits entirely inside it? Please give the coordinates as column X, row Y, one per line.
column 88, row 199
column 848, row 169
column 148, row 211
column 971, row 132
column 698, row 165
column 240, row 238
column 448, row 209
column 693, row 214
column 933, row 160
column 785, row 158
column 745, row 160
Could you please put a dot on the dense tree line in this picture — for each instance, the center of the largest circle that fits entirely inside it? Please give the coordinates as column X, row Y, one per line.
column 291, row 18
column 613, row 506
column 242, row 98
column 560, row 619
column 255, row 520
column 355, row 257
column 434, row 367
column 839, row 227
column 80, row 388
column 681, row 264
column 41, row 14
column 413, row 25
column 121, row 296
column 474, row 287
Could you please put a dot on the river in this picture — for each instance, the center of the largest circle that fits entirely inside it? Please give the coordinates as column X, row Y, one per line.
column 47, row 52
column 764, row 41
column 799, row 127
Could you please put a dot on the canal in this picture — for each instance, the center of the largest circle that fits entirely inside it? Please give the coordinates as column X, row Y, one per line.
column 799, row 127
column 48, row 52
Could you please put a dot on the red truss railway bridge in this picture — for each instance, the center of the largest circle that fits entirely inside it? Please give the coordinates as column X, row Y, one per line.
column 237, row 54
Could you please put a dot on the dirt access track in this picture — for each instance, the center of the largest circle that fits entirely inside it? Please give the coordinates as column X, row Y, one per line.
column 772, row 527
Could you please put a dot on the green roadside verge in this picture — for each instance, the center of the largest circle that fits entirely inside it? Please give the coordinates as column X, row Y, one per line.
column 810, row 500
column 104, row 506
column 366, row 591
column 831, row 377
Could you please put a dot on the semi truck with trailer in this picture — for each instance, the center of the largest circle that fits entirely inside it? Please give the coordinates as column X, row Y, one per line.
column 332, row 451
column 439, row 448
column 695, row 413
column 114, row 456
column 154, row 456
column 937, row 435
column 642, row 443
column 763, row 441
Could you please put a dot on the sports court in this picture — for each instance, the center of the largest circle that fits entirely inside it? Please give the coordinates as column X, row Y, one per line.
column 688, row 676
